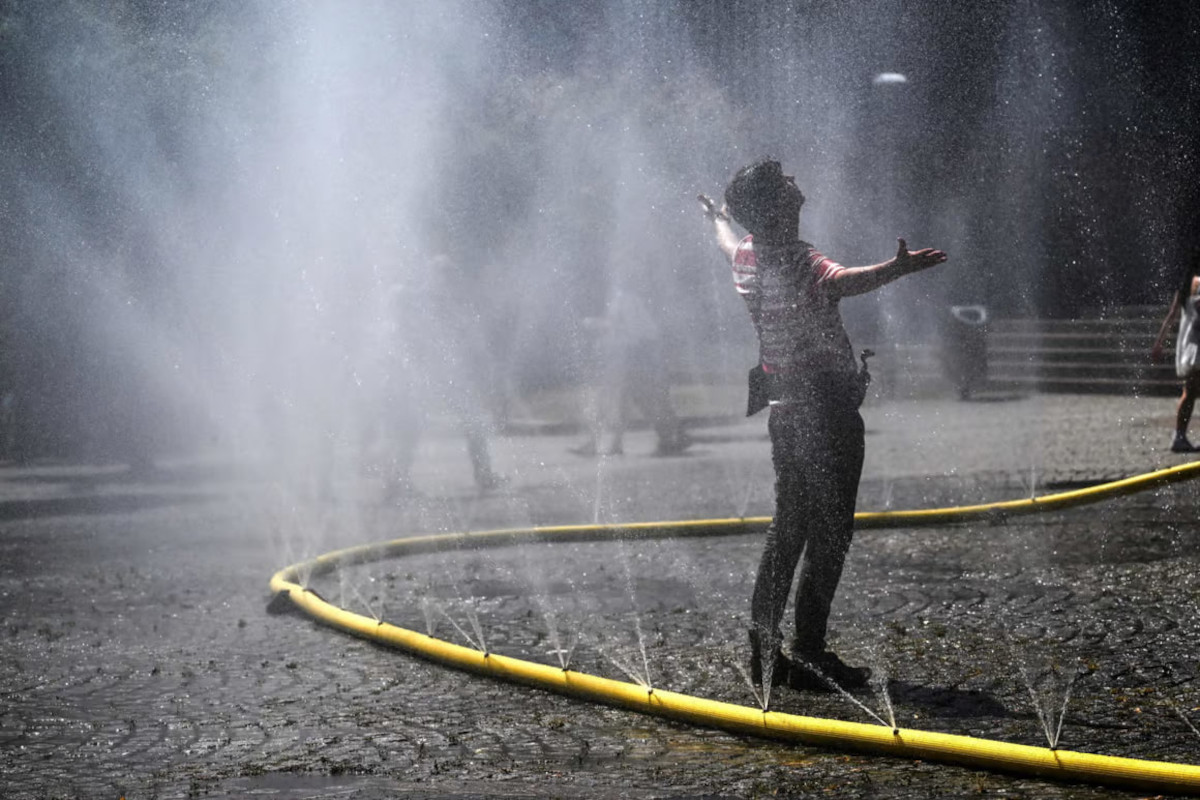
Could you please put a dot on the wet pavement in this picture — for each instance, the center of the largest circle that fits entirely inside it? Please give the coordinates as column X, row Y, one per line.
column 140, row 658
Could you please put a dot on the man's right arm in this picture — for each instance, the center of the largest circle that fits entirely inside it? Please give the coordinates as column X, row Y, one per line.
column 727, row 240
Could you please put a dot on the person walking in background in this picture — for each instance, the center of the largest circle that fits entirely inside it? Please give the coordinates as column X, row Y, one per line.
column 817, row 434
column 632, row 372
column 1183, row 303
column 427, row 362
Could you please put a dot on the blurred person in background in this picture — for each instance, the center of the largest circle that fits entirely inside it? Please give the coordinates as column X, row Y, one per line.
column 427, row 363
column 1187, row 345
column 632, row 372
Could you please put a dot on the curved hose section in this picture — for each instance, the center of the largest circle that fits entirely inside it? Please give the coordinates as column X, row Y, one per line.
column 1043, row 762
column 1031, row 505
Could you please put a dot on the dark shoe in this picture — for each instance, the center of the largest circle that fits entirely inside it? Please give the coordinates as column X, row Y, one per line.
column 1182, row 445
column 820, row 673
column 587, row 450
column 397, row 490
column 141, row 467
column 780, row 670
column 491, row 481
column 674, row 445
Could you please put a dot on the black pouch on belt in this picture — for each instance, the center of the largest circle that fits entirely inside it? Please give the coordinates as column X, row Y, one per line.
column 759, row 382
column 864, row 378
column 765, row 387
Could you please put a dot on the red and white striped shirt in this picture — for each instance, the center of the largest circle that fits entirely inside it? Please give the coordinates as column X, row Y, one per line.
column 799, row 326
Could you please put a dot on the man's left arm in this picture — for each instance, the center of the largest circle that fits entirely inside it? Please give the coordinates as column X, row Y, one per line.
column 850, row 281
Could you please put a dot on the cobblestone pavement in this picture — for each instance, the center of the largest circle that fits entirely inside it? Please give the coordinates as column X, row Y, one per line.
column 140, row 659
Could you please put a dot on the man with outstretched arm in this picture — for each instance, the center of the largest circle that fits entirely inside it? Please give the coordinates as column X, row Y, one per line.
column 817, row 440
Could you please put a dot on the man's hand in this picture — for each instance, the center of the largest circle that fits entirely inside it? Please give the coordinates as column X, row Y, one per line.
column 1156, row 353
column 710, row 208
column 919, row 259
column 726, row 240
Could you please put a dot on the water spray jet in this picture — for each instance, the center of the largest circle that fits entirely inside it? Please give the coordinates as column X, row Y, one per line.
column 883, row 739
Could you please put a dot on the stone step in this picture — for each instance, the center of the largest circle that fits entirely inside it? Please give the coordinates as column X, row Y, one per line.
column 1069, row 369
column 1104, row 354
column 1057, row 385
column 1074, row 338
column 1128, row 316
column 1139, row 357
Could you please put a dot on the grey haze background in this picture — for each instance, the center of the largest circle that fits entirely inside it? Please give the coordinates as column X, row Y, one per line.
column 205, row 203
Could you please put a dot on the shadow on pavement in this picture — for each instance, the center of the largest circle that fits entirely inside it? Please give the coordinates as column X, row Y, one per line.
column 995, row 397
column 37, row 508
column 90, row 476
column 948, row 702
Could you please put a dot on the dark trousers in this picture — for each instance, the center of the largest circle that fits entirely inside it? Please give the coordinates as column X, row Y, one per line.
column 817, row 449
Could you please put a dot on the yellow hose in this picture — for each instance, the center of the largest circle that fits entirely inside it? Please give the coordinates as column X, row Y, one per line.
column 1038, row 761
column 1030, row 505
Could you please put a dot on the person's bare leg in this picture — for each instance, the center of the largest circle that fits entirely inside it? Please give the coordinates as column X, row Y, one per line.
column 1183, row 410
column 592, row 419
column 618, row 416
column 1183, row 414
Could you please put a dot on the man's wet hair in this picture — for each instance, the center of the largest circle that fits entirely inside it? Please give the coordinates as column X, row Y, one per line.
column 752, row 195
